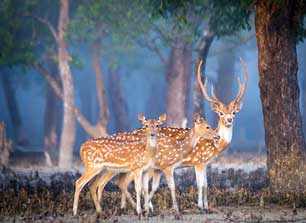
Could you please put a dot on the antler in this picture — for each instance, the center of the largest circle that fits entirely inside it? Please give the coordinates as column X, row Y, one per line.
column 242, row 86
column 214, row 99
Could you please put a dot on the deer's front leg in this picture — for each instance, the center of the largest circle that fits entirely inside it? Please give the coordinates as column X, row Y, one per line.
column 171, row 184
column 138, row 185
column 201, row 178
column 145, row 184
column 155, row 185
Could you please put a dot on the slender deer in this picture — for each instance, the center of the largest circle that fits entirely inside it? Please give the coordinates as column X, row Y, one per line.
column 205, row 151
column 170, row 153
column 118, row 155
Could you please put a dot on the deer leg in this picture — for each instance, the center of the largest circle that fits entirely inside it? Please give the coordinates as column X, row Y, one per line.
column 201, row 179
column 145, row 184
column 80, row 183
column 205, row 188
column 138, row 185
column 171, row 184
column 102, row 181
column 155, row 185
column 124, row 181
column 93, row 193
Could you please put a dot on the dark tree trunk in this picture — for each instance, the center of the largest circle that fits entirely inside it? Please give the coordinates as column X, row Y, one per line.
column 68, row 128
column 276, row 31
column 52, row 113
column 118, row 101
column 302, row 71
column 178, row 78
column 224, row 84
column 205, row 43
column 6, row 146
column 10, row 95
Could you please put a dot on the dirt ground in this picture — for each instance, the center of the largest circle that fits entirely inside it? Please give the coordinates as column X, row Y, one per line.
column 241, row 214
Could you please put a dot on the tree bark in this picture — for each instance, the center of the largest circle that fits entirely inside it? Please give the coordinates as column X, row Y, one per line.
column 68, row 128
column 118, row 101
column 276, row 27
column 51, row 116
column 91, row 130
column 100, row 88
column 302, row 69
column 178, row 78
column 204, row 47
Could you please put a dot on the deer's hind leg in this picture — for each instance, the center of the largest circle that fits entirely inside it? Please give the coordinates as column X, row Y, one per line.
column 102, row 181
column 81, row 182
column 99, row 182
column 125, row 179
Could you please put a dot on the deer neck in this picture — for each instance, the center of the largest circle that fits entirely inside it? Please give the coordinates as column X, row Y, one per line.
column 151, row 147
column 189, row 142
column 225, row 134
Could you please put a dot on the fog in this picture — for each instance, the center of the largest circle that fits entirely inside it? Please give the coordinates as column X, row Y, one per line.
column 145, row 90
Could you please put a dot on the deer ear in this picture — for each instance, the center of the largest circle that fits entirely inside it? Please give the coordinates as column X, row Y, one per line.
column 215, row 107
column 162, row 118
column 238, row 106
column 141, row 117
column 196, row 117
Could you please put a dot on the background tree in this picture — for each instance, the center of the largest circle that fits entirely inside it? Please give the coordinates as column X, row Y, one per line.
column 205, row 20
column 278, row 25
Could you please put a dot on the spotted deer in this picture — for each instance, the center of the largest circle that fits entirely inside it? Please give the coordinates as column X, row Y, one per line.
column 205, row 151
column 170, row 153
column 118, row 155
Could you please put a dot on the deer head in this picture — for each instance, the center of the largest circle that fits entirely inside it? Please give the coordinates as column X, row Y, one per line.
column 226, row 113
column 151, row 126
column 202, row 129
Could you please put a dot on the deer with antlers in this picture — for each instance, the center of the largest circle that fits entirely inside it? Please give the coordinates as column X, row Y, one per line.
column 118, row 155
column 205, row 150
column 170, row 153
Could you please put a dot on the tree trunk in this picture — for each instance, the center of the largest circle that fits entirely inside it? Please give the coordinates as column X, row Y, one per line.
column 92, row 130
column 68, row 128
column 10, row 95
column 118, row 101
column 302, row 70
column 100, row 88
column 276, row 27
column 6, row 146
column 51, row 116
column 205, row 43
column 178, row 77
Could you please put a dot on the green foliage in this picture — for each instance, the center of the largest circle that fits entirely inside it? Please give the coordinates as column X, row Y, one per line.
column 23, row 38
column 225, row 17
column 229, row 16
column 117, row 24
column 14, row 48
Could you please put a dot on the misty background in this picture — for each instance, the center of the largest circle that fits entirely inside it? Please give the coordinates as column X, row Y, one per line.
column 140, row 74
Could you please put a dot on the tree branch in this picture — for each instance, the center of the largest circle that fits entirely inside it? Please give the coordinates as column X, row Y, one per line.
column 45, row 22
column 94, row 131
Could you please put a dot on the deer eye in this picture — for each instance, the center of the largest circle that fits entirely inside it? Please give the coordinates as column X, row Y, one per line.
column 234, row 113
column 146, row 126
column 221, row 113
column 207, row 127
column 156, row 126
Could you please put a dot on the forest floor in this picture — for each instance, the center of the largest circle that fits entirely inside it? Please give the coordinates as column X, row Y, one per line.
column 241, row 214
column 237, row 193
